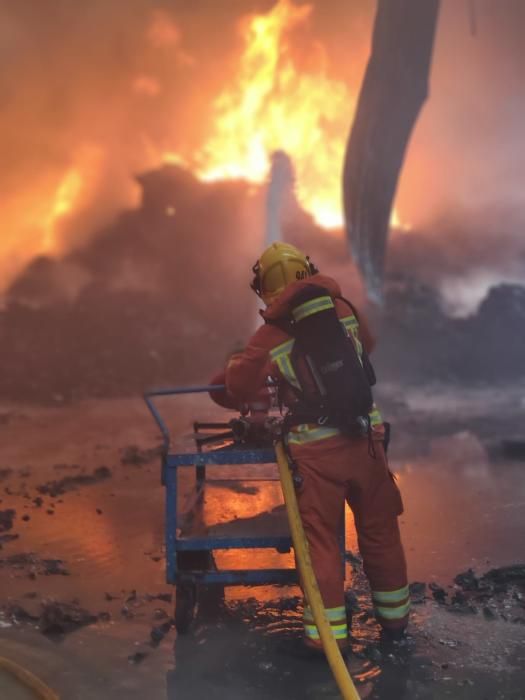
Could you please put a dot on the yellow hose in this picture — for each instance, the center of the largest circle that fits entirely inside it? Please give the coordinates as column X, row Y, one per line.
column 27, row 679
column 313, row 594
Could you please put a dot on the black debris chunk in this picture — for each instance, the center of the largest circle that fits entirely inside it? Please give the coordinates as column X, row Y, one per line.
column 417, row 591
column 488, row 613
column 353, row 559
column 460, row 604
column 132, row 454
column 45, row 567
column 158, row 633
column 506, row 574
column 6, row 519
column 439, row 594
column 467, row 580
column 137, row 658
column 58, row 619
column 16, row 613
column 71, row 483
column 166, row 597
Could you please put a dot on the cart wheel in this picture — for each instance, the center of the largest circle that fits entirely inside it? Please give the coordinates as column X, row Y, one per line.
column 185, row 600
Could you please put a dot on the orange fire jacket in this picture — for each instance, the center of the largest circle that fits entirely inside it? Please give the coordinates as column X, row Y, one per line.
column 247, row 372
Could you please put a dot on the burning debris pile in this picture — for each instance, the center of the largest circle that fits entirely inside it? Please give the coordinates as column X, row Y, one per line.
column 161, row 296
column 141, row 305
column 419, row 341
column 496, row 594
column 157, row 297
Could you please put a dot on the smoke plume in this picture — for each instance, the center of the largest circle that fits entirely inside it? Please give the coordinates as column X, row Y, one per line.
column 93, row 93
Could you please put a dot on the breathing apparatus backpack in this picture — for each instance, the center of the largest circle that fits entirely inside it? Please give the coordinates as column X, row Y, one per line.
column 335, row 378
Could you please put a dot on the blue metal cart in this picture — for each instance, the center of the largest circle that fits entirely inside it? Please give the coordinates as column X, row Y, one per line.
column 189, row 559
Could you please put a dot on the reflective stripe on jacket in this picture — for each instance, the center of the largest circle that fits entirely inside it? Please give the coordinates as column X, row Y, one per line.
column 282, row 356
column 268, row 354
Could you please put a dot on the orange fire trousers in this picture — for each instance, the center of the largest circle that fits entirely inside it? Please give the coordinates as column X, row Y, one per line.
column 333, row 471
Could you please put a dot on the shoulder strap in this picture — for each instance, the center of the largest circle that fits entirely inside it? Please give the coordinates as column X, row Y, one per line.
column 352, row 307
column 284, row 324
column 367, row 365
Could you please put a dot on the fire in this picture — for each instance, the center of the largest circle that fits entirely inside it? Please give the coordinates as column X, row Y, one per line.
column 65, row 197
column 271, row 104
column 71, row 192
column 274, row 101
column 397, row 223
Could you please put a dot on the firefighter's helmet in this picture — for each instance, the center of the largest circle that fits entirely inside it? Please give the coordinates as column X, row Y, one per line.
column 279, row 265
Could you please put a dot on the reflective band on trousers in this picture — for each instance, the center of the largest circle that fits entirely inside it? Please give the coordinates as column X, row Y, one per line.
column 392, row 605
column 336, row 617
column 396, row 596
column 394, row 613
column 312, row 307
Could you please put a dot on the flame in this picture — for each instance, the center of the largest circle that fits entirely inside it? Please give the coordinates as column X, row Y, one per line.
column 64, row 200
column 71, row 192
column 271, row 104
column 33, row 217
column 397, row 223
column 275, row 101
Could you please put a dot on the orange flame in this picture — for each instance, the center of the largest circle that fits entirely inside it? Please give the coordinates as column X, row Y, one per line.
column 75, row 186
column 64, row 200
column 273, row 105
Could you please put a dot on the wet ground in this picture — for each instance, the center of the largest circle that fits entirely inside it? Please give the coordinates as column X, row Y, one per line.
column 84, row 603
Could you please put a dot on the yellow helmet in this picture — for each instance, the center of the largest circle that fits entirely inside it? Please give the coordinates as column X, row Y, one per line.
column 279, row 265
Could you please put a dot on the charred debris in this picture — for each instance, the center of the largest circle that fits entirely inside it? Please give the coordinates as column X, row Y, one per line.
column 157, row 297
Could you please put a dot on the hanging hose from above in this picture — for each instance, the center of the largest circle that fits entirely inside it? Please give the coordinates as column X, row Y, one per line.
column 27, row 680
column 313, row 594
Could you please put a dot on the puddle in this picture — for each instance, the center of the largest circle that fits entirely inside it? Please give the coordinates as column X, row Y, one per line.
column 464, row 509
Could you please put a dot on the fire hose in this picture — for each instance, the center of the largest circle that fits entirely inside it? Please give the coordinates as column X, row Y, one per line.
column 27, row 680
column 311, row 588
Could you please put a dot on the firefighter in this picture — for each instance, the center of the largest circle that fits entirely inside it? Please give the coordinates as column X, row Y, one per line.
column 333, row 466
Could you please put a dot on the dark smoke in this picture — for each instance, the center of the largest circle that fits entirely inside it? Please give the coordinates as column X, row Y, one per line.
column 467, row 152
column 114, row 83
column 125, row 80
column 161, row 297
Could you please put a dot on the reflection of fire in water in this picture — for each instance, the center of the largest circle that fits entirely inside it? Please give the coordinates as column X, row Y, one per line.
column 273, row 105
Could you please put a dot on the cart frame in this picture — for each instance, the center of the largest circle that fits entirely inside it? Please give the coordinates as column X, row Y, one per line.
column 186, row 580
